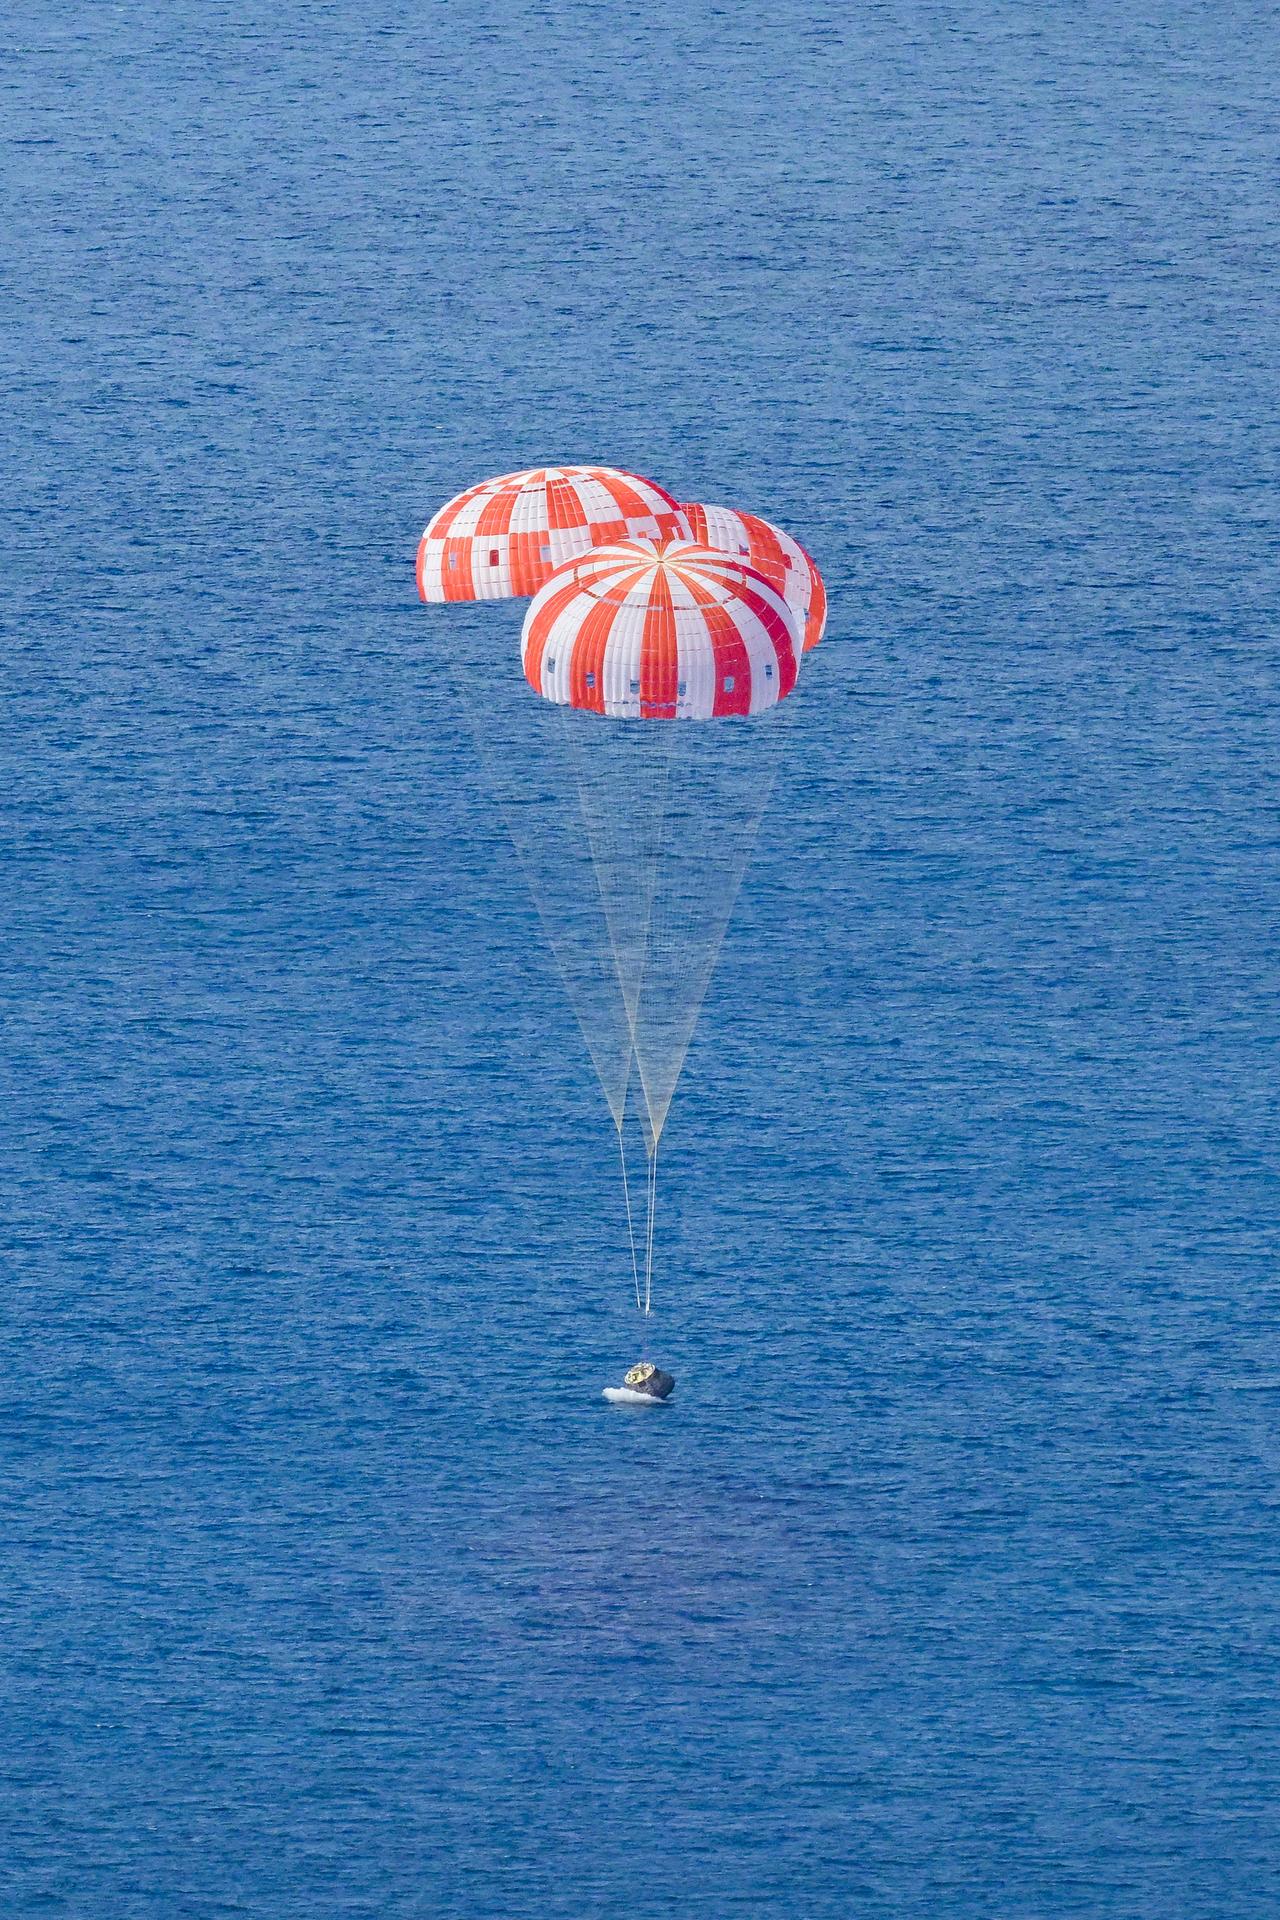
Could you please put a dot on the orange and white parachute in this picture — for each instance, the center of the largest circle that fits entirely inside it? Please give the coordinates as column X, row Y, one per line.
column 501, row 539
column 670, row 630
column 633, row 837
column 775, row 554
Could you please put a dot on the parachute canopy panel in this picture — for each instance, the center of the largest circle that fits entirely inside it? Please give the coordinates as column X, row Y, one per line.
column 775, row 554
column 665, row 630
column 501, row 539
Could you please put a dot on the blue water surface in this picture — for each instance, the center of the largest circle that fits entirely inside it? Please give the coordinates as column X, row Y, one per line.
column 328, row 1584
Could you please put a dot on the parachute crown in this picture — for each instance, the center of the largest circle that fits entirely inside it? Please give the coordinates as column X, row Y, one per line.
column 660, row 630
column 501, row 539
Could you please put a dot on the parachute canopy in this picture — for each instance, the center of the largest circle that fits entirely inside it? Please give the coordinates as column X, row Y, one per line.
column 634, row 838
column 775, row 554
column 501, row 539
column 668, row 630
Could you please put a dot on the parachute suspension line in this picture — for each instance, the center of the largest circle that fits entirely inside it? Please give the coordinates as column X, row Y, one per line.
column 647, row 944
column 631, row 1231
column 509, row 733
column 611, row 806
column 653, row 1202
column 568, row 717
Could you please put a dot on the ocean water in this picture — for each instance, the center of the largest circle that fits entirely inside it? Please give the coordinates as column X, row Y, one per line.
column 948, row 1585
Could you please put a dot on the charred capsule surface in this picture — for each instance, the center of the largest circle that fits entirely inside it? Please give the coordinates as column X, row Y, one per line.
column 646, row 1378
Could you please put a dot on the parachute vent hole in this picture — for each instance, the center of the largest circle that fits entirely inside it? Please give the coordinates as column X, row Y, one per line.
column 682, row 687
column 591, row 679
column 728, row 683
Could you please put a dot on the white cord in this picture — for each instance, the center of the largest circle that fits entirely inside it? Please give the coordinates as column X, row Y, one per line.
column 631, row 1232
column 653, row 1203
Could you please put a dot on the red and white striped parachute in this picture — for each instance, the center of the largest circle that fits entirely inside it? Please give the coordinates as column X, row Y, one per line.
column 775, row 554
column 668, row 630
column 633, row 838
column 501, row 539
